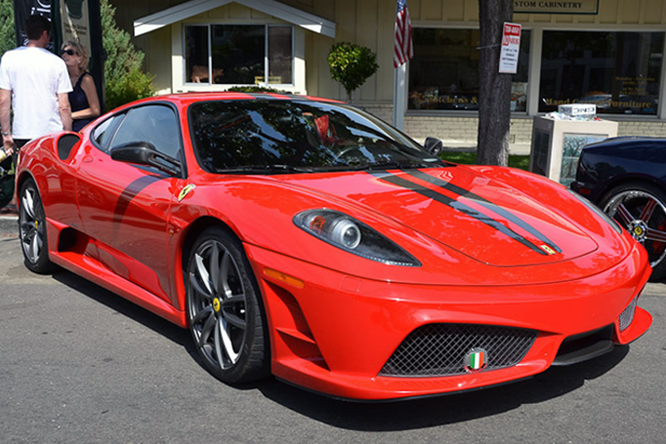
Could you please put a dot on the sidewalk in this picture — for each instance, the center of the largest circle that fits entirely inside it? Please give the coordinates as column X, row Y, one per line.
column 458, row 145
column 8, row 225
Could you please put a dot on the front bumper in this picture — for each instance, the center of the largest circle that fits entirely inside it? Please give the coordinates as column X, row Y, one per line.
column 334, row 333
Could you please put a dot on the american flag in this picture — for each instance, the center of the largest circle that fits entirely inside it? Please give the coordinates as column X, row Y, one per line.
column 403, row 35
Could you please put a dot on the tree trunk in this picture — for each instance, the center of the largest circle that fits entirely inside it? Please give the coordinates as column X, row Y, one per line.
column 494, row 88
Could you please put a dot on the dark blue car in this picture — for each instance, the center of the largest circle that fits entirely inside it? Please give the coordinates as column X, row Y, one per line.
column 626, row 178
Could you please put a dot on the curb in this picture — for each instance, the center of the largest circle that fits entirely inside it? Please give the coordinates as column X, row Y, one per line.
column 8, row 225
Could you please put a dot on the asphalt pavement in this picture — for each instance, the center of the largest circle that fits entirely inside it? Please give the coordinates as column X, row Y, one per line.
column 80, row 364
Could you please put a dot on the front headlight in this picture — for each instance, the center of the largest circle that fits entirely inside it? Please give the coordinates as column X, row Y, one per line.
column 349, row 234
column 612, row 222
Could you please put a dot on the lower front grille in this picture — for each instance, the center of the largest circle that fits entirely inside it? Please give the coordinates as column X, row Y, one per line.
column 444, row 349
column 627, row 316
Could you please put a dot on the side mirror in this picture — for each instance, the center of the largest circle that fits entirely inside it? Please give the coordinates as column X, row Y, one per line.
column 144, row 153
column 433, row 145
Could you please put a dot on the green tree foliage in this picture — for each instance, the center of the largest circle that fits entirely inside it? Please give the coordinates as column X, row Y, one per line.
column 351, row 65
column 7, row 33
column 123, row 73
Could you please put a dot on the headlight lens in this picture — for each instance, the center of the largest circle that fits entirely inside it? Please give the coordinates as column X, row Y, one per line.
column 612, row 222
column 353, row 236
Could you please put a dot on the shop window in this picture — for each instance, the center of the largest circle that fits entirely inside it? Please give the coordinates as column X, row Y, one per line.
column 620, row 72
column 238, row 54
column 444, row 73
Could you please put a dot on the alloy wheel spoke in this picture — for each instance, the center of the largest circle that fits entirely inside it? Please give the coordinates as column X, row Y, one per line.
column 234, row 320
column 35, row 247
column 202, row 271
column 233, row 301
column 199, row 289
column 29, row 204
column 207, row 329
column 215, row 267
column 624, row 213
column 218, row 344
column 224, row 276
column 648, row 210
column 29, row 233
column 226, row 341
column 203, row 314
column 655, row 235
column 28, row 226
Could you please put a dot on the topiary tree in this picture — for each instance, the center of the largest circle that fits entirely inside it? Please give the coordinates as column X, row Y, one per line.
column 351, row 65
column 253, row 89
column 123, row 74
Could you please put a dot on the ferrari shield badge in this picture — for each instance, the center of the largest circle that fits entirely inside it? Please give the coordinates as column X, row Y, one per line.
column 185, row 191
column 476, row 360
column 547, row 250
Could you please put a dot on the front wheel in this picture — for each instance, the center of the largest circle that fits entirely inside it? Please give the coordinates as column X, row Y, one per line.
column 32, row 229
column 224, row 309
column 641, row 209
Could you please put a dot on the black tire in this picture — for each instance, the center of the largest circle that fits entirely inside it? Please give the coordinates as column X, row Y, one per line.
column 32, row 229
column 641, row 209
column 224, row 309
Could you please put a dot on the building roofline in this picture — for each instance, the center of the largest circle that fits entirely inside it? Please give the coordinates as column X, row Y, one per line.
column 189, row 9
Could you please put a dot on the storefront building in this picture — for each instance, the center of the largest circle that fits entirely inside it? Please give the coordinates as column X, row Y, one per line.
column 606, row 52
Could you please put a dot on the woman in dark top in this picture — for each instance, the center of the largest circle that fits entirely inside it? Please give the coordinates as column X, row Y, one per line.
column 83, row 99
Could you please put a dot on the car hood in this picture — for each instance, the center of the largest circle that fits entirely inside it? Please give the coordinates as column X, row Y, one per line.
column 481, row 217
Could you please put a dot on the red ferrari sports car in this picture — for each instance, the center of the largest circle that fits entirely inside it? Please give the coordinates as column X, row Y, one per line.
column 306, row 239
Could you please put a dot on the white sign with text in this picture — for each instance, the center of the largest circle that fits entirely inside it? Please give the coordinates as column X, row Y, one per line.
column 510, row 49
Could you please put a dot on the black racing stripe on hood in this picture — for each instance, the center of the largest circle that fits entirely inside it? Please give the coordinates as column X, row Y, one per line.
column 486, row 204
column 438, row 197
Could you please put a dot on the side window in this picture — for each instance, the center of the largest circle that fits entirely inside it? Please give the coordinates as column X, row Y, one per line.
column 156, row 124
column 103, row 134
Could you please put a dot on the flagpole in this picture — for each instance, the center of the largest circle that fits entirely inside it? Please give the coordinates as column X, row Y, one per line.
column 399, row 96
column 403, row 51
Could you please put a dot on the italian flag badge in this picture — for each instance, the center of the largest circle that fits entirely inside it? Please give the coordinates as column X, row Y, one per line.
column 476, row 360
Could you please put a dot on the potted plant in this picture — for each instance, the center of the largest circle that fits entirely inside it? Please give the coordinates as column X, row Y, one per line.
column 351, row 65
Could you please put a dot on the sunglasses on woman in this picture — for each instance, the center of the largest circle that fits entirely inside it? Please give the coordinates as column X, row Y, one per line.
column 68, row 52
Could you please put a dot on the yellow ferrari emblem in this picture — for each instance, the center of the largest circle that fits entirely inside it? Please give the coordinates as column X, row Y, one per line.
column 638, row 230
column 547, row 249
column 185, row 191
column 216, row 305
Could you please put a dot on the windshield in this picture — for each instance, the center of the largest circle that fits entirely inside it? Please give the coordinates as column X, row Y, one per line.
column 280, row 136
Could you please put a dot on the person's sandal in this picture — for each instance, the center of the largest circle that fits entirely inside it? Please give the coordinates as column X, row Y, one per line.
column 9, row 209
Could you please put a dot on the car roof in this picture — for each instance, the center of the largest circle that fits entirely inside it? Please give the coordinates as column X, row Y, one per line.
column 186, row 99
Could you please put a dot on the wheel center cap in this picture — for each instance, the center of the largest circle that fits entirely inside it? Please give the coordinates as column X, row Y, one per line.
column 638, row 230
column 216, row 305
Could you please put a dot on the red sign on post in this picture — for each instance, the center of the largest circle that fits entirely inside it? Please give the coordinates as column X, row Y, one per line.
column 510, row 48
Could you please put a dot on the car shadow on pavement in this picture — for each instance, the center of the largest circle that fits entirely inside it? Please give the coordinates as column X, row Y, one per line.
column 441, row 410
column 127, row 308
column 375, row 416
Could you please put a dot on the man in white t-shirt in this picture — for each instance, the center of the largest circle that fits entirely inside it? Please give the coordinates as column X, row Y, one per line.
column 34, row 83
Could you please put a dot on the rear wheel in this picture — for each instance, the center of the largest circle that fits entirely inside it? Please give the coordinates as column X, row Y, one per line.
column 641, row 209
column 32, row 229
column 224, row 309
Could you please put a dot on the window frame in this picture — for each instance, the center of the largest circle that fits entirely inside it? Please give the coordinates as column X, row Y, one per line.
column 187, row 83
column 534, row 69
column 610, row 30
column 473, row 112
column 124, row 114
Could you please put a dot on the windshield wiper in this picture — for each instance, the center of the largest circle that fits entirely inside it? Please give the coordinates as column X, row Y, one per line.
column 401, row 165
column 263, row 169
